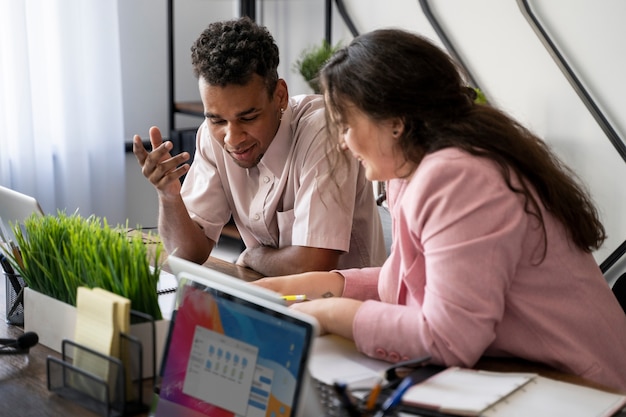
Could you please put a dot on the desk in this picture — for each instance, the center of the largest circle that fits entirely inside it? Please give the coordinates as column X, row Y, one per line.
column 23, row 377
column 229, row 268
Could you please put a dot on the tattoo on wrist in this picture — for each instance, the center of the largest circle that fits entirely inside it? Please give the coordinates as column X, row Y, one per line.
column 328, row 294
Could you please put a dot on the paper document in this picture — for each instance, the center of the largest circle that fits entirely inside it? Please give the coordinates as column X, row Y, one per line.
column 335, row 358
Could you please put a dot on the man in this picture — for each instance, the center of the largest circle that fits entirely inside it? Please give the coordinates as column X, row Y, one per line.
column 261, row 157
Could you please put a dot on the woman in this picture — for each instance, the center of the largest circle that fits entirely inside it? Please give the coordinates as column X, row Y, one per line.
column 492, row 235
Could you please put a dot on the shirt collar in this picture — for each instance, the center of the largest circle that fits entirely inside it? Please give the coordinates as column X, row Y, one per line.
column 280, row 148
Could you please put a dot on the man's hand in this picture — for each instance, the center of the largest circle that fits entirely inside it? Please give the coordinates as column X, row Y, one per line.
column 158, row 166
column 288, row 260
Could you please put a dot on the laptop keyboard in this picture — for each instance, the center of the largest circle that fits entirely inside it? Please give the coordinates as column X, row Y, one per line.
column 331, row 403
column 329, row 400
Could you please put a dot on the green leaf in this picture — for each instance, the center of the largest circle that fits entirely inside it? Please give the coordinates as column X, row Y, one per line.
column 311, row 61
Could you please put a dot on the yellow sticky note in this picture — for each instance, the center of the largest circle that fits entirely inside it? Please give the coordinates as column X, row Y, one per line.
column 122, row 322
column 96, row 328
column 122, row 317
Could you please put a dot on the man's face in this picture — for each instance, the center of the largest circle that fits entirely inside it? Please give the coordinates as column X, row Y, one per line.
column 243, row 118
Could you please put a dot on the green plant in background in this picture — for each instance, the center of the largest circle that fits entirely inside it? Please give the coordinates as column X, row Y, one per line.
column 60, row 253
column 480, row 96
column 311, row 61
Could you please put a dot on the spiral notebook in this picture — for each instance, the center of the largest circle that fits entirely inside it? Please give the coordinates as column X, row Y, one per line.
column 469, row 392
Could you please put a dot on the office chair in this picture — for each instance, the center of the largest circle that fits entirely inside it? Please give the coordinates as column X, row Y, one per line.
column 385, row 220
column 619, row 290
column 385, row 216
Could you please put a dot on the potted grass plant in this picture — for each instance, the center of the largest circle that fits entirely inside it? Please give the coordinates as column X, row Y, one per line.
column 311, row 61
column 60, row 253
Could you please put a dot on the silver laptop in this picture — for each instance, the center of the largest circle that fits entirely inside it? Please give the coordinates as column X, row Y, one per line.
column 230, row 353
column 178, row 266
column 15, row 207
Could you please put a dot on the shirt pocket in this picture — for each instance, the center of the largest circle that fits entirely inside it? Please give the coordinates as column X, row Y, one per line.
column 285, row 221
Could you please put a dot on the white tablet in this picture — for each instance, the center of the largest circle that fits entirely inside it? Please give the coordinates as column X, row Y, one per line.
column 232, row 353
column 179, row 265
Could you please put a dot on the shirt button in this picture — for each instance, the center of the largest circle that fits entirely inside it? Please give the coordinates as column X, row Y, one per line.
column 381, row 353
column 394, row 357
column 266, row 179
column 257, row 217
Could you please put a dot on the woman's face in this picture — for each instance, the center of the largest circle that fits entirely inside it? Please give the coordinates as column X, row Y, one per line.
column 372, row 143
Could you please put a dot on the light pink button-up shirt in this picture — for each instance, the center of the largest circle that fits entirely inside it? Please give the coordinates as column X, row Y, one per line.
column 285, row 199
column 464, row 280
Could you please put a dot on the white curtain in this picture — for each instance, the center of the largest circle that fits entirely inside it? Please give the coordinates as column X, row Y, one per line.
column 61, row 115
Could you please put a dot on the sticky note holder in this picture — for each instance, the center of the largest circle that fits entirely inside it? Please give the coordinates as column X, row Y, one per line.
column 119, row 393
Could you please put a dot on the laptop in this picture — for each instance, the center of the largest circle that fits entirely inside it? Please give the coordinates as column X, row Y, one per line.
column 179, row 265
column 231, row 353
column 15, row 207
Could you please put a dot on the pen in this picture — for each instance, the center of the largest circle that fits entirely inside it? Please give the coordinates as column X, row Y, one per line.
column 296, row 297
column 346, row 401
column 17, row 255
column 6, row 265
column 395, row 397
column 373, row 396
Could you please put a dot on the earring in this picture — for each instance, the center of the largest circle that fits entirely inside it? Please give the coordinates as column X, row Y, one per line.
column 282, row 111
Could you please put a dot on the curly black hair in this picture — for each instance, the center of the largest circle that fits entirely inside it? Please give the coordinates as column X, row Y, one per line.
column 231, row 51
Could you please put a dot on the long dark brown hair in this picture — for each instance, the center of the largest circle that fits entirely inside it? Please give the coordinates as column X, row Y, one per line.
column 392, row 73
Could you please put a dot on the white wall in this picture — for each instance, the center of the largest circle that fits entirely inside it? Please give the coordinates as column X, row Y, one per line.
column 496, row 42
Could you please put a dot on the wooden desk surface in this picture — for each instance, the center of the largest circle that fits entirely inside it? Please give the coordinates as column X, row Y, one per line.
column 229, row 268
column 23, row 377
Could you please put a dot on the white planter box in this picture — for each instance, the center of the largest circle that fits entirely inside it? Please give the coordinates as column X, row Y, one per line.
column 54, row 321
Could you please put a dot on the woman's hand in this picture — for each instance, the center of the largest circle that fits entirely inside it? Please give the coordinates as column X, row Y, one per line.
column 312, row 284
column 334, row 315
column 323, row 293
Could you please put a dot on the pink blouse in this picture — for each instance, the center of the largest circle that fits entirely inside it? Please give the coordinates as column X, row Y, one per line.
column 465, row 279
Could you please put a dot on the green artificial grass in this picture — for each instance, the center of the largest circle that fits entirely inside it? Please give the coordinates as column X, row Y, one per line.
column 60, row 253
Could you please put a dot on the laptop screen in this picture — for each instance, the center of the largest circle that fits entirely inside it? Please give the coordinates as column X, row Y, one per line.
column 15, row 207
column 232, row 354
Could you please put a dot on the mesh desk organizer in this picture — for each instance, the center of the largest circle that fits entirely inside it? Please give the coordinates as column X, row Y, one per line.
column 14, row 292
column 121, row 394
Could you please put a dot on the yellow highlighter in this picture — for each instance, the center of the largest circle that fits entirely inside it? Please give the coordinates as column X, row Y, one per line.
column 295, row 297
